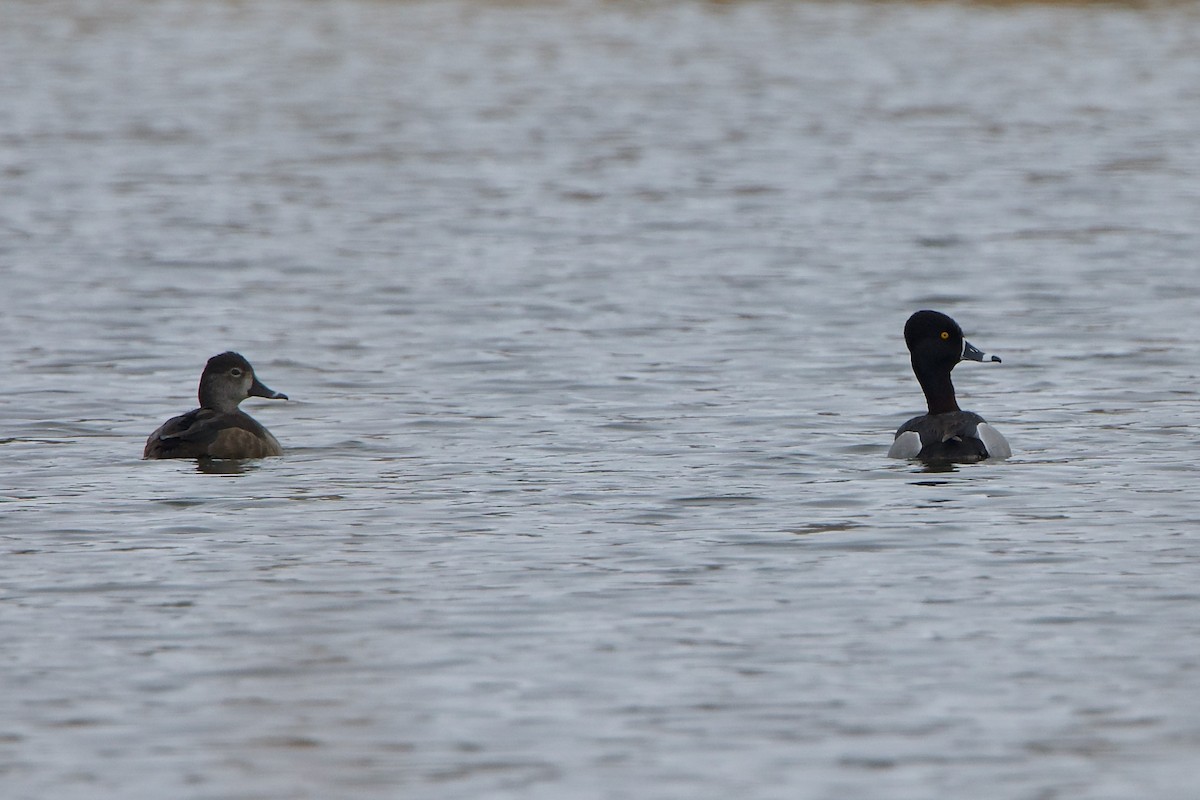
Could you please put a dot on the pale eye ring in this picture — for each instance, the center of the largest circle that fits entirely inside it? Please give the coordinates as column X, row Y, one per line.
column 945, row 335
column 236, row 372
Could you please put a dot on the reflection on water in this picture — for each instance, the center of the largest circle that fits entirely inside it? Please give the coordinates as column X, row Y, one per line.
column 224, row 466
column 597, row 312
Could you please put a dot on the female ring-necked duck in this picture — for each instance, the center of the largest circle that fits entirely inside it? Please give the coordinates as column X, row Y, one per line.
column 946, row 433
column 218, row 428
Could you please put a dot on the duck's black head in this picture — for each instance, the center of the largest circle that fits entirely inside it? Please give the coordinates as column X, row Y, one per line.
column 936, row 343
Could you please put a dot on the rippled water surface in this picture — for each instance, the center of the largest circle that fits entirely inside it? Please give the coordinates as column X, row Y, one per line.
column 590, row 314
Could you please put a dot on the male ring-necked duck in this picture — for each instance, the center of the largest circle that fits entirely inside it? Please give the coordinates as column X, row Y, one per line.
column 946, row 433
column 218, row 429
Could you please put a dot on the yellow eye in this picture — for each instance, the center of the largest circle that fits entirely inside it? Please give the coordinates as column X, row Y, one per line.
column 945, row 334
